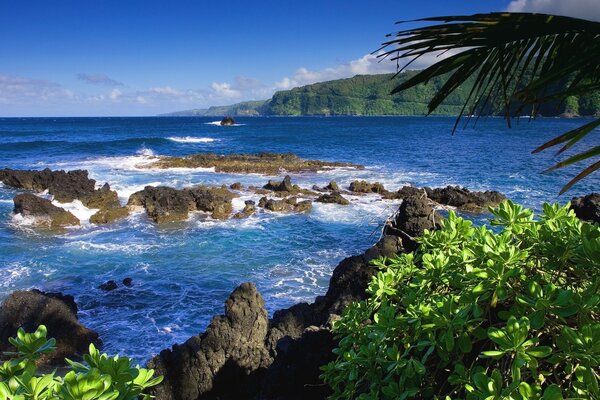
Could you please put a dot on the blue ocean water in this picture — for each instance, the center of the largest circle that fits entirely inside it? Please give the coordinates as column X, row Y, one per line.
column 182, row 274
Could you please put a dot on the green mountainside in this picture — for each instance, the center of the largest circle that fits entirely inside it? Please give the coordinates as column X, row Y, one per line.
column 370, row 95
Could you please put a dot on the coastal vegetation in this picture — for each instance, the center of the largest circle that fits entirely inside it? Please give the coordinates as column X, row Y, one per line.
column 369, row 95
column 479, row 313
column 99, row 377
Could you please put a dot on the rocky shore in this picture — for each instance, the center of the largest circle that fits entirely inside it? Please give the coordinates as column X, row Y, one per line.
column 242, row 354
column 263, row 163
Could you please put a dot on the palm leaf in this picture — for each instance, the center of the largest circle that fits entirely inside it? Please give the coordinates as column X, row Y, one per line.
column 522, row 59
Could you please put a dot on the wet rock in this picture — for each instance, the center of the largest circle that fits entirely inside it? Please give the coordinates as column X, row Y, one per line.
column 110, row 215
column 128, row 282
column 43, row 212
column 227, row 121
column 225, row 360
column 263, row 163
column 249, row 209
column 216, row 200
column 333, row 186
column 164, row 204
column 236, row 186
column 290, row 204
column 58, row 312
column 103, row 199
column 462, row 198
column 334, row 197
column 587, row 208
column 366, row 187
column 283, row 186
column 108, row 286
column 64, row 186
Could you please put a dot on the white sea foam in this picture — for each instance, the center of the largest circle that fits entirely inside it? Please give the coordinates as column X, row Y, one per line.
column 218, row 123
column 12, row 273
column 191, row 139
column 129, row 248
column 144, row 151
column 77, row 208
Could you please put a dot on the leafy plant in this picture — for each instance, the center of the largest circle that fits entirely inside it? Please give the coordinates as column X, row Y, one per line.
column 99, row 378
column 476, row 313
column 523, row 60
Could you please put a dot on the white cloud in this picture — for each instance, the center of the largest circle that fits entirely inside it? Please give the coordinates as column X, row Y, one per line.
column 98, row 79
column 367, row 64
column 18, row 90
column 225, row 90
column 586, row 9
column 115, row 94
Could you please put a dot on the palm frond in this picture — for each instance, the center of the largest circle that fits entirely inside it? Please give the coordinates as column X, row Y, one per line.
column 523, row 59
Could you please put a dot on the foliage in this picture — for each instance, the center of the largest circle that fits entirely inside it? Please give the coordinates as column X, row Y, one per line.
column 524, row 60
column 99, row 378
column 477, row 313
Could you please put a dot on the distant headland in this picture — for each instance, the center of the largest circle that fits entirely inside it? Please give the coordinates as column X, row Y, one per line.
column 369, row 95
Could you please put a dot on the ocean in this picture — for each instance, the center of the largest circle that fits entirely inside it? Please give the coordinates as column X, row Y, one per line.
column 183, row 273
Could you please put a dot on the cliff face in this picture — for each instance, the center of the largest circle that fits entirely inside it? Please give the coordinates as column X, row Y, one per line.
column 370, row 95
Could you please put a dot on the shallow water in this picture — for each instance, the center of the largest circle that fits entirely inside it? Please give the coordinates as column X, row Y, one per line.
column 183, row 273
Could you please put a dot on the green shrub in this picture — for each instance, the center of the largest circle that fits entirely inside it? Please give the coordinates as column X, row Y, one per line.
column 99, row 378
column 509, row 313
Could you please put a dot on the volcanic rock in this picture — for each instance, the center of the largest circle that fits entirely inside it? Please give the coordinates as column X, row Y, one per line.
column 462, row 198
column 58, row 312
column 587, row 208
column 334, row 197
column 227, row 121
column 43, row 212
column 366, row 187
column 108, row 286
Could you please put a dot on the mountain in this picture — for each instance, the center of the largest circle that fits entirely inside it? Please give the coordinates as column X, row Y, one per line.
column 370, row 95
column 246, row 108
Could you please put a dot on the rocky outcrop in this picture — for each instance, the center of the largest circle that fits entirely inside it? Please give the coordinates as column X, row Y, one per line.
column 334, row 197
column 58, row 312
column 223, row 362
column 69, row 186
column 165, row 204
column 227, row 121
column 283, row 186
column 43, row 212
column 249, row 209
column 464, row 199
column 242, row 356
column 412, row 218
column 366, row 187
column 263, row 163
column 587, row 208
column 236, row 186
column 64, row 186
column 290, row 204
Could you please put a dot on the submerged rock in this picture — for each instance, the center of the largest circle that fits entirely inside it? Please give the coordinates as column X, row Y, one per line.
column 128, row 282
column 43, row 212
column 58, row 312
column 108, row 286
column 587, row 208
column 263, row 163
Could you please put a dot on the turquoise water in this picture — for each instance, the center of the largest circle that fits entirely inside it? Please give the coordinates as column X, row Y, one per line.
column 182, row 274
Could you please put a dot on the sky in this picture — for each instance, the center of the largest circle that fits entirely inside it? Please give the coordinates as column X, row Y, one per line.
column 130, row 58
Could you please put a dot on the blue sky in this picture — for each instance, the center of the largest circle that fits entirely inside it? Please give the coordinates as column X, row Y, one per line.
column 71, row 58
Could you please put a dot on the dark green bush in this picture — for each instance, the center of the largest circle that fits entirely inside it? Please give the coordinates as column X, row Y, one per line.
column 99, row 378
column 510, row 313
